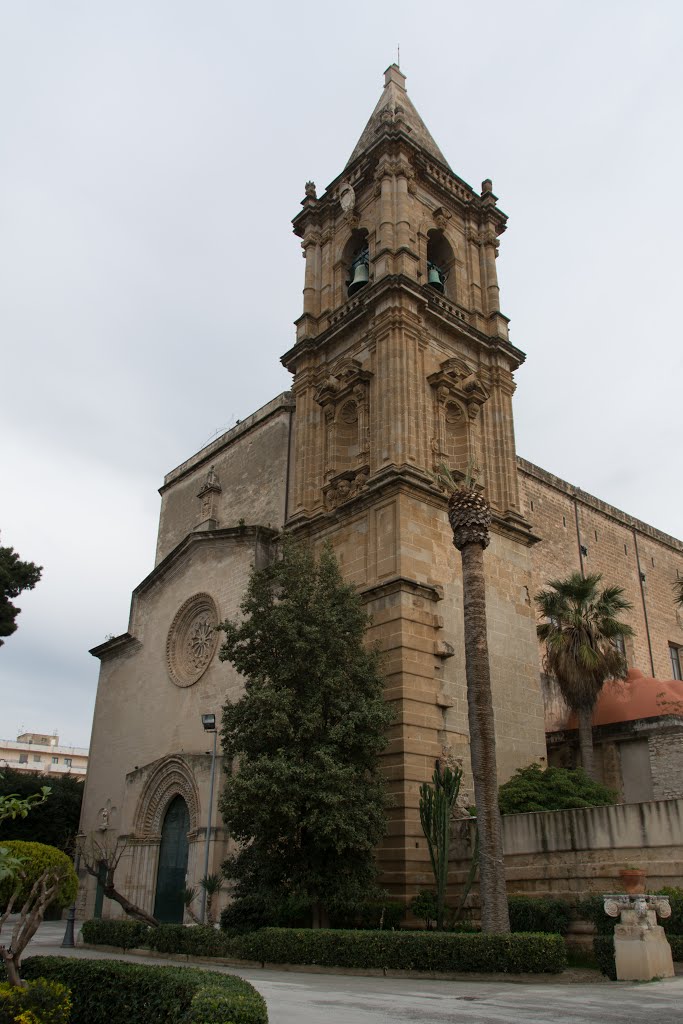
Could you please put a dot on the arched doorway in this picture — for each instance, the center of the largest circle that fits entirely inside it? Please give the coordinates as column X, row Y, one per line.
column 168, row 903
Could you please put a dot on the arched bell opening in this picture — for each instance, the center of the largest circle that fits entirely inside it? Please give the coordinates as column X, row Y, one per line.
column 357, row 261
column 172, row 871
column 440, row 263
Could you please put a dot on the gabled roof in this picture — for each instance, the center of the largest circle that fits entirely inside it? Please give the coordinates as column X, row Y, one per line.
column 395, row 100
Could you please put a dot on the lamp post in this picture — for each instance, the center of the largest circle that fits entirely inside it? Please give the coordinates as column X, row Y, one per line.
column 209, row 724
column 68, row 940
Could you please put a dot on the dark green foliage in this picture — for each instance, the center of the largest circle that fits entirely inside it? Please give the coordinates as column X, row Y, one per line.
column 38, row 858
column 424, row 906
column 125, row 934
column 673, row 925
column 676, row 943
column 113, row 992
column 543, row 914
column 200, row 940
column 592, row 909
column 372, row 915
column 552, row 789
column 603, row 950
column 404, row 950
column 54, row 822
column 45, row 1002
column 15, row 577
column 307, row 799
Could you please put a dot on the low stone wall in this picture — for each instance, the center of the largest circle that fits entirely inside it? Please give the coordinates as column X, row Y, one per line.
column 572, row 853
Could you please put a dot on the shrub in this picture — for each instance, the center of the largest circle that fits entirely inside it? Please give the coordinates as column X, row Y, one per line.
column 603, row 949
column 552, row 789
column 676, row 943
column 38, row 858
column 673, row 925
column 372, row 914
column 200, row 940
column 539, row 914
column 41, row 1001
column 592, row 909
column 122, row 933
column 156, row 995
column 424, row 906
column 420, row 951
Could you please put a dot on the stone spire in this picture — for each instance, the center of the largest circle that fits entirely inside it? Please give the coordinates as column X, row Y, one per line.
column 395, row 110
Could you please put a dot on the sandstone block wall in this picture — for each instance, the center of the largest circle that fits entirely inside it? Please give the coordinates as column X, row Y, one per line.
column 618, row 546
column 251, row 462
column 572, row 853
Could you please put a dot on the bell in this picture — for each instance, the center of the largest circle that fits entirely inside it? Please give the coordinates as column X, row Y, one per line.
column 435, row 277
column 361, row 276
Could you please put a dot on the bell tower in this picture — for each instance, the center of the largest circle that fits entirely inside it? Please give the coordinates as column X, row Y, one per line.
column 402, row 362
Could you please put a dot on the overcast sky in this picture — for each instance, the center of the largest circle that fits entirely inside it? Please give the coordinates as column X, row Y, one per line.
column 152, row 155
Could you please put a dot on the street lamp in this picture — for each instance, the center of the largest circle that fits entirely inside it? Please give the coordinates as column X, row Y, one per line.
column 209, row 725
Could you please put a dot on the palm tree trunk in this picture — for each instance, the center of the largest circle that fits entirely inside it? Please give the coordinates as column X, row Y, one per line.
column 586, row 741
column 493, row 895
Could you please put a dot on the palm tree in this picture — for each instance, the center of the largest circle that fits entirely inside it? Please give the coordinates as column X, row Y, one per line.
column 678, row 590
column 470, row 517
column 581, row 633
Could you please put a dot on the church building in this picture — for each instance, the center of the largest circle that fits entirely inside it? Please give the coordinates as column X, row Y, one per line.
column 402, row 361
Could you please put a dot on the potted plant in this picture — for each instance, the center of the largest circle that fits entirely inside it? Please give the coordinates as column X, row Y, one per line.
column 632, row 879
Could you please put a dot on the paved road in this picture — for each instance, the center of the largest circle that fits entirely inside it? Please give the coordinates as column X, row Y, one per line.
column 297, row 998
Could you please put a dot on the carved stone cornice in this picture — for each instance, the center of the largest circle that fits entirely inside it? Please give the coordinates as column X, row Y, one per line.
column 339, row 381
column 455, row 380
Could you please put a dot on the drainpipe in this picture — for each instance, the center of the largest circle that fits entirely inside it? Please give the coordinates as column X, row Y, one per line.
column 641, row 579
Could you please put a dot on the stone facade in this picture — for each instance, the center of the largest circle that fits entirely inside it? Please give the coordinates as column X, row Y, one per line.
column 402, row 361
column 581, row 532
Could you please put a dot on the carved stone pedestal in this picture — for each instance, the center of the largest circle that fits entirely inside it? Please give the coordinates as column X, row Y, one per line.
column 641, row 950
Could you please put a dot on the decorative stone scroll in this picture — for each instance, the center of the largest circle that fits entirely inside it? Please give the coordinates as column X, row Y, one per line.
column 458, row 397
column 343, row 392
column 192, row 640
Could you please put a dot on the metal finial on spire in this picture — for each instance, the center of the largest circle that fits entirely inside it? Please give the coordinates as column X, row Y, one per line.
column 398, row 55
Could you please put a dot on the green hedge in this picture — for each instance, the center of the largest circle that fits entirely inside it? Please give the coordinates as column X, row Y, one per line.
column 418, row 951
column 113, row 992
column 123, row 934
column 539, row 914
column 673, row 924
column 198, row 940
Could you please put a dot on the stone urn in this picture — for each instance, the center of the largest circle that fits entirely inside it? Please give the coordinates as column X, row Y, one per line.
column 633, row 880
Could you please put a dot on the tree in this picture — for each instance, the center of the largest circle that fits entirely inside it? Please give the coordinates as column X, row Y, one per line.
column 99, row 852
column 55, row 823
column 306, row 799
column 470, row 517
column 15, row 807
column 436, row 814
column 580, row 631
column 15, row 577
column 45, row 876
column 553, row 789
column 678, row 591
